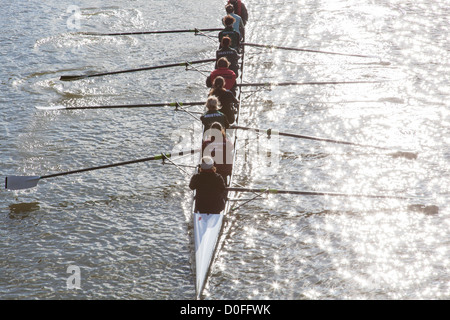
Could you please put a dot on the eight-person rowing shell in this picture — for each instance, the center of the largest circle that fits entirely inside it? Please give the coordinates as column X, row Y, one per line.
column 214, row 173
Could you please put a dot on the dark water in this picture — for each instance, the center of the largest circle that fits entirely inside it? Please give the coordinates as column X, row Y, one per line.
column 128, row 229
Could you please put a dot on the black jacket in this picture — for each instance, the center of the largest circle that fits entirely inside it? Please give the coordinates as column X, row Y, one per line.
column 234, row 36
column 232, row 57
column 210, row 192
column 209, row 117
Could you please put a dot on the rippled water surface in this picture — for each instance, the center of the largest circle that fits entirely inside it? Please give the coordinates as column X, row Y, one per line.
column 128, row 229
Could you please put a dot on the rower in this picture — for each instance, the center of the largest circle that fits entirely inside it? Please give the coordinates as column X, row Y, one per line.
column 238, row 24
column 224, row 72
column 225, row 97
column 230, row 32
column 231, row 54
column 213, row 114
column 210, row 188
column 240, row 9
column 217, row 145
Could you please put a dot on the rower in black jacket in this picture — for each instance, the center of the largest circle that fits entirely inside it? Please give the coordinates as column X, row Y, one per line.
column 210, row 188
column 231, row 54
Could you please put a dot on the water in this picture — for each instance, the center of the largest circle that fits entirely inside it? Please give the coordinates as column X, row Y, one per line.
column 128, row 229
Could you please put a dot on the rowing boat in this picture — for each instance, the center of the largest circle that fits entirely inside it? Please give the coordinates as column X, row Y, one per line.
column 208, row 227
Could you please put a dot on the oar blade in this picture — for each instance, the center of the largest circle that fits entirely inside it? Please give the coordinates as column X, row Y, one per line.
column 50, row 108
column 21, row 182
column 72, row 78
column 430, row 209
column 405, row 154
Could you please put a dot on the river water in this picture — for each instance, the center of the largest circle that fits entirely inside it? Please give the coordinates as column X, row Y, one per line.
column 127, row 231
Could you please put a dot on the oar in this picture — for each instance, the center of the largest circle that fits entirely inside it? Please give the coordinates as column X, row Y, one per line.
column 406, row 154
column 430, row 209
column 149, row 105
column 25, row 182
column 150, row 32
column 79, row 77
column 316, row 193
column 274, row 84
column 268, row 46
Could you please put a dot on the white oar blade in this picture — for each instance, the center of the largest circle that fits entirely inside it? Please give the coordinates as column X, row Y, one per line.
column 405, row 154
column 21, row 182
column 50, row 107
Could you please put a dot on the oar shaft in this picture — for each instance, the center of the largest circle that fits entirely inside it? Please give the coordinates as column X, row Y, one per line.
column 171, row 65
column 150, row 32
column 270, row 131
column 79, row 77
column 274, row 84
column 305, row 50
column 313, row 193
column 148, row 105
column 156, row 157
column 395, row 153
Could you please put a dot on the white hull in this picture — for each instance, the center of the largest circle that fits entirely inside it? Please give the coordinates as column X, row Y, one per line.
column 207, row 228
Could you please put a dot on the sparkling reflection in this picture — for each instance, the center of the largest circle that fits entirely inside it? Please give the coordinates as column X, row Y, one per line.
column 354, row 247
column 281, row 246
